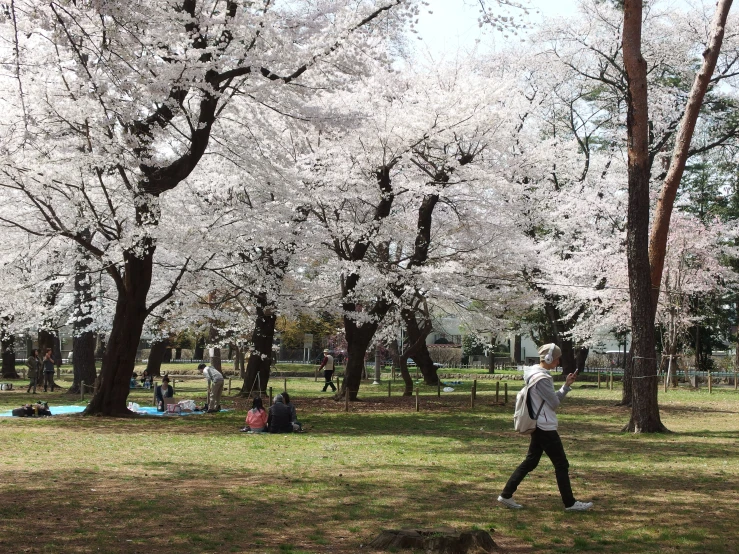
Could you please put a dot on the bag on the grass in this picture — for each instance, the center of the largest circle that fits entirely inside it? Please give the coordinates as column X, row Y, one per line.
column 524, row 418
column 187, row 405
column 174, row 409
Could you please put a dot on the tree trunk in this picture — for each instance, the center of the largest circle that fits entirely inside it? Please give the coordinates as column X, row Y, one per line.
column 663, row 212
column 259, row 365
column 567, row 361
column 199, row 348
column 644, row 408
column 156, row 356
column 178, row 353
column 99, row 346
column 83, row 343
column 358, row 339
column 125, row 335
column 418, row 350
column 627, row 390
column 57, row 350
column 517, row 350
column 167, row 353
column 7, row 343
column 45, row 341
column 581, row 358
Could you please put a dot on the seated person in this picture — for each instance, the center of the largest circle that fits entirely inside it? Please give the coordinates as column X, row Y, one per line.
column 256, row 418
column 133, row 383
column 279, row 420
column 163, row 391
column 145, row 380
column 297, row 426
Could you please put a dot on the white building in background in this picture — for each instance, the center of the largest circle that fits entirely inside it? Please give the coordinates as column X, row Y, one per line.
column 450, row 330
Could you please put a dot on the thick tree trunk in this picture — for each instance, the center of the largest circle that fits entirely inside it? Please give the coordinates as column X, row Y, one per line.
column 358, row 339
column 627, row 391
column 83, row 343
column 8, row 354
column 259, row 365
column 663, row 212
column 418, row 350
column 45, row 340
column 167, row 353
column 178, row 353
column 567, row 361
column 156, row 356
column 644, row 408
column 199, row 348
column 125, row 335
column 517, row 349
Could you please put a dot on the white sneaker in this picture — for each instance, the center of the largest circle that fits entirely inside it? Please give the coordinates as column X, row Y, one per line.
column 579, row 507
column 510, row 503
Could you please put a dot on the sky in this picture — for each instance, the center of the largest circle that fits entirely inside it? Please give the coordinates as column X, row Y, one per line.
column 453, row 24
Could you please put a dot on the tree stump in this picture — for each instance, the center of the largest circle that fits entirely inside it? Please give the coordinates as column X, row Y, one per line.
column 444, row 540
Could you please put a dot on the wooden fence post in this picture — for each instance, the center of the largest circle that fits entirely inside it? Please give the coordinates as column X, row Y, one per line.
column 709, row 383
column 389, row 390
column 229, row 385
column 610, row 381
column 346, row 399
column 438, row 387
column 316, row 375
column 285, row 385
column 505, row 393
column 417, row 408
column 497, row 391
column 599, row 379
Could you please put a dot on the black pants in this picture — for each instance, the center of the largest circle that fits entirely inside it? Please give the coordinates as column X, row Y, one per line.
column 327, row 374
column 32, row 384
column 48, row 380
column 544, row 442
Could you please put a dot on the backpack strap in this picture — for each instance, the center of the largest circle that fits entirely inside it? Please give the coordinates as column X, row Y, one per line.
column 536, row 378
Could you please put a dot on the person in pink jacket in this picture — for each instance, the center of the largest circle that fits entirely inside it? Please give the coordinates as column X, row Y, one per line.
column 256, row 418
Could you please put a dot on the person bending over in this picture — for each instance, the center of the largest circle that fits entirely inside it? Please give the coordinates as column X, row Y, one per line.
column 214, row 377
column 545, row 438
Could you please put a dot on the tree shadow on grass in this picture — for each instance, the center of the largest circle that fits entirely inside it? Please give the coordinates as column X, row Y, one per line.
column 282, row 509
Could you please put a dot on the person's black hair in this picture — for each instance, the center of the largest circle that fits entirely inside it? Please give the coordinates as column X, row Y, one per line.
column 257, row 403
column 201, row 366
column 165, row 378
column 286, row 397
column 34, row 352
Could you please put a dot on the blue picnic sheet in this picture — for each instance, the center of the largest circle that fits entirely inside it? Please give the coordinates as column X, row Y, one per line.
column 144, row 410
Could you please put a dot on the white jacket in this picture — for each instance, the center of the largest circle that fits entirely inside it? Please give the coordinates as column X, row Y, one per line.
column 543, row 391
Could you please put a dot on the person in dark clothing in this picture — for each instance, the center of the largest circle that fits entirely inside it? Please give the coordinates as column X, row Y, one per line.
column 279, row 419
column 297, row 426
column 48, row 370
column 163, row 391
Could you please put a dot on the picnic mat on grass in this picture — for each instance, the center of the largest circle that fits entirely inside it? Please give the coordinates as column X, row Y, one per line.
column 144, row 410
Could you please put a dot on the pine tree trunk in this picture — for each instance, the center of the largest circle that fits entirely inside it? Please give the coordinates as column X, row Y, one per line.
column 644, row 408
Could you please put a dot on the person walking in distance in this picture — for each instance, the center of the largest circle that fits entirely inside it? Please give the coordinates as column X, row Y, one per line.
column 48, row 364
column 327, row 365
column 214, row 377
column 545, row 438
column 34, row 366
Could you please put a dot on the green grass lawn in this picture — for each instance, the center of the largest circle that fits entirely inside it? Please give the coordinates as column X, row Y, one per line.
column 195, row 484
